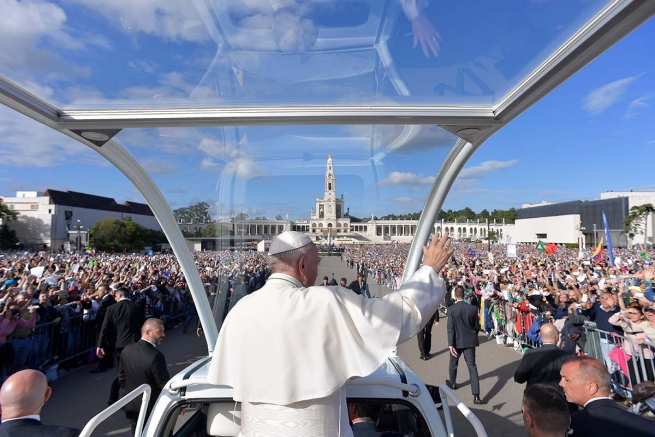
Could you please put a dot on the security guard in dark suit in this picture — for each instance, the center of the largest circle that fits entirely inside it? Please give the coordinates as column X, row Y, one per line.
column 22, row 397
column 424, row 336
column 120, row 328
column 105, row 301
column 586, row 382
column 141, row 363
column 463, row 328
column 542, row 365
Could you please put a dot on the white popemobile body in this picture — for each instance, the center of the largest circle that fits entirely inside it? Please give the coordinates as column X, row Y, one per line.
column 189, row 405
column 296, row 98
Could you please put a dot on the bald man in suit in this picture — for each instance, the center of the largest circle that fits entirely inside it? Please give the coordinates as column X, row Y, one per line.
column 21, row 398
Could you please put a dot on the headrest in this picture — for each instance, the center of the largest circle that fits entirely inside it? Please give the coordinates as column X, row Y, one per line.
column 223, row 420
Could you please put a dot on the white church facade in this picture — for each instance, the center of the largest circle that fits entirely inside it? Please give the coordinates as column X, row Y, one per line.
column 329, row 212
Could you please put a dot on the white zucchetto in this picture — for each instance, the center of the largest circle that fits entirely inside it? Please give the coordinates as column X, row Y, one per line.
column 288, row 240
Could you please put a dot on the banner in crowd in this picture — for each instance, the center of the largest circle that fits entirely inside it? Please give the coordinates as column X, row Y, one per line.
column 610, row 252
column 597, row 256
column 511, row 251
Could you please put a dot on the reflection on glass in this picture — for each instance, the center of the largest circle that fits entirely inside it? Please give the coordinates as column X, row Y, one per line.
column 207, row 53
column 284, row 171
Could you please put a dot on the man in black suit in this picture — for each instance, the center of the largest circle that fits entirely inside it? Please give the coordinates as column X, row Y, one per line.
column 463, row 328
column 21, row 398
column 586, row 382
column 545, row 412
column 424, row 336
column 542, row 365
column 120, row 328
column 142, row 363
column 105, row 300
column 360, row 286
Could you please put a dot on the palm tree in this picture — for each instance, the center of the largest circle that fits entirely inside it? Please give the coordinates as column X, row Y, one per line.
column 637, row 221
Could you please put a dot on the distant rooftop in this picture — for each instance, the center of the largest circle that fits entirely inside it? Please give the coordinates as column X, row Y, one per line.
column 90, row 201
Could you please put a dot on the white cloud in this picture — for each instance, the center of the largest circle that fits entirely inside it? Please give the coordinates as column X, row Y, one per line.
column 402, row 199
column 27, row 143
column 32, row 33
column 172, row 19
column 651, row 142
column 146, row 66
column 158, row 166
column 635, row 106
column 467, row 177
column 602, row 98
column 402, row 178
column 485, row 167
column 176, row 191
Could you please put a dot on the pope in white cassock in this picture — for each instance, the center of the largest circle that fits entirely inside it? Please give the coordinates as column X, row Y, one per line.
column 288, row 349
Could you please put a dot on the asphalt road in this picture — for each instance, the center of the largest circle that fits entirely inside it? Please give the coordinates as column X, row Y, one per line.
column 80, row 395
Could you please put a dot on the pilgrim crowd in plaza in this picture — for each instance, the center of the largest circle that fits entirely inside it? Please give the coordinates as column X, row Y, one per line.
column 49, row 288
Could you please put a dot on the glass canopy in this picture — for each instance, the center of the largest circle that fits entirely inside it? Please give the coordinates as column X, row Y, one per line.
column 282, row 169
column 101, row 54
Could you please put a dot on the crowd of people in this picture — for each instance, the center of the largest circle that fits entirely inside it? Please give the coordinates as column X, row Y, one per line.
column 52, row 305
column 517, row 296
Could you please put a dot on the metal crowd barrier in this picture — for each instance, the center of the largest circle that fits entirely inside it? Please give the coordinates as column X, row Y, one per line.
column 628, row 365
column 508, row 323
column 627, row 368
column 69, row 342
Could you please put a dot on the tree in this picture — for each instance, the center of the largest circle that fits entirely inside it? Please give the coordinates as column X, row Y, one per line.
column 119, row 234
column 215, row 230
column 198, row 213
column 467, row 213
column 636, row 221
column 261, row 218
column 7, row 215
column 241, row 216
column 8, row 238
column 279, row 217
column 484, row 215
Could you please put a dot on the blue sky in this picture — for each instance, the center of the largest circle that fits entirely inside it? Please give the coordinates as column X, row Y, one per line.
column 594, row 133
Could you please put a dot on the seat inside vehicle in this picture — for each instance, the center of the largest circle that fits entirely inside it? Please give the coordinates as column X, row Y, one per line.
column 224, row 419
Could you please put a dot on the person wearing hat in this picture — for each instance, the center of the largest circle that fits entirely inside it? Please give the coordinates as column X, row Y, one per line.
column 646, row 287
column 288, row 350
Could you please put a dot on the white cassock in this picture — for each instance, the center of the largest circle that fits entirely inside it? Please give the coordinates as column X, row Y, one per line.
column 287, row 350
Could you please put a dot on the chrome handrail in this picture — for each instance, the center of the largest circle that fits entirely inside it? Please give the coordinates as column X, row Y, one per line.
column 446, row 394
column 143, row 389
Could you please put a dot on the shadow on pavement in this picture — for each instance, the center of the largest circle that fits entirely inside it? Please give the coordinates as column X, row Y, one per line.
column 495, row 425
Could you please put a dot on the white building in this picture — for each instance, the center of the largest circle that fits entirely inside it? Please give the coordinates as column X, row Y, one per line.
column 61, row 219
column 567, row 221
column 637, row 198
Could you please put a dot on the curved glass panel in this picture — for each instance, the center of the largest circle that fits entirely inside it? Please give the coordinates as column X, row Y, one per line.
column 208, row 53
column 258, row 181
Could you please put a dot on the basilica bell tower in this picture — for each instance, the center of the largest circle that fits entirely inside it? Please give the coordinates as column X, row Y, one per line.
column 330, row 182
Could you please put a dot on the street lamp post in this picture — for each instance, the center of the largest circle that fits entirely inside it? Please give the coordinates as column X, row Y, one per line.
column 488, row 237
column 79, row 240
column 581, row 238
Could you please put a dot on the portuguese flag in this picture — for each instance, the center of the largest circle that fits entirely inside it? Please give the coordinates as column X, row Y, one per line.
column 541, row 246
